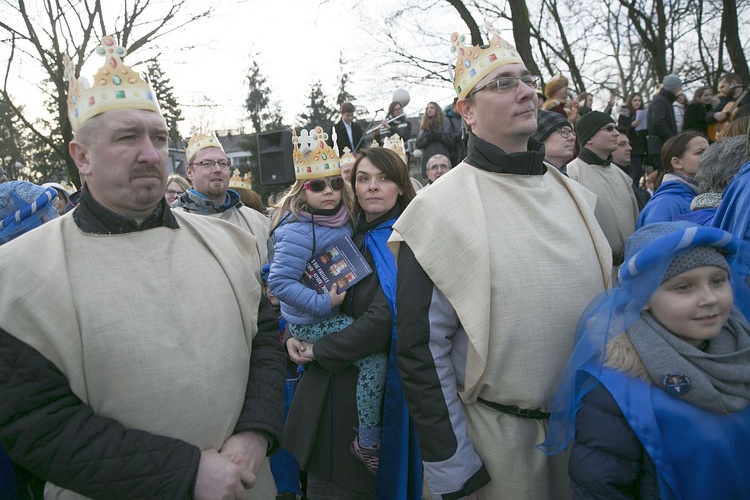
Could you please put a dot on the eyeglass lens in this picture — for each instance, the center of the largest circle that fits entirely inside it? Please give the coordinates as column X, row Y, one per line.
column 318, row 185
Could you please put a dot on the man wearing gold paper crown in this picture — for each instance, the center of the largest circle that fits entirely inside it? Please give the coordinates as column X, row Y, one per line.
column 112, row 383
column 208, row 170
column 496, row 262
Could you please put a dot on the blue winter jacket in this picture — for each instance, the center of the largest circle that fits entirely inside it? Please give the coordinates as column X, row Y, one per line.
column 670, row 200
column 293, row 247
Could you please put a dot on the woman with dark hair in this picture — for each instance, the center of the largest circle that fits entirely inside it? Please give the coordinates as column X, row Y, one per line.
column 629, row 121
column 395, row 123
column 434, row 135
column 698, row 113
column 679, row 156
column 322, row 420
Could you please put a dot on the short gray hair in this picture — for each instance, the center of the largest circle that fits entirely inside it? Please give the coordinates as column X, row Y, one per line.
column 720, row 162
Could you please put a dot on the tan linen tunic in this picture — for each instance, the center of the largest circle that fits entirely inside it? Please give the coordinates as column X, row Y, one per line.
column 256, row 224
column 152, row 328
column 616, row 206
column 518, row 257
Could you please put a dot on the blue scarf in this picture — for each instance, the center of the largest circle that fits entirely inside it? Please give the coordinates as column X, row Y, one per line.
column 400, row 469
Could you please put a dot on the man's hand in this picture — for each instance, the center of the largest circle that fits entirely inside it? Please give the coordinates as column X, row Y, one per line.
column 248, row 451
column 296, row 350
column 218, row 478
column 336, row 298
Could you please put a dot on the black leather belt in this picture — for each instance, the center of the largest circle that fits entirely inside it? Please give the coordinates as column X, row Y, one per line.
column 515, row 410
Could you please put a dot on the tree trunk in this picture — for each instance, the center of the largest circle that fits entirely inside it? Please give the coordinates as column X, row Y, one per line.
column 730, row 29
column 521, row 33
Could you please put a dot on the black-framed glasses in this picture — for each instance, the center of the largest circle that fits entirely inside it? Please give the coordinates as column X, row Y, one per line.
column 608, row 128
column 508, row 83
column 224, row 164
column 172, row 192
column 566, row 132
column 318, row 185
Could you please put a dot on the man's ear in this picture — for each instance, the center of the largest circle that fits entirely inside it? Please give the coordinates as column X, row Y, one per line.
column 189, row 172
column 80, row 154
column 466, row 108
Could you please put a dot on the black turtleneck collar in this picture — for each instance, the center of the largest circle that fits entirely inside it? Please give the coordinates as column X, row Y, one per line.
column 91, row 217
column 592, row 158
column 363, row 226
column 491, row 158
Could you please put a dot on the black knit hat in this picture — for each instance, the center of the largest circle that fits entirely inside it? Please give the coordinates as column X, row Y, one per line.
column 547, row 122
column 589, row 124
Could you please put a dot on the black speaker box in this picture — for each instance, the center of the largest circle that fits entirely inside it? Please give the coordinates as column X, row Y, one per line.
column 275, row 157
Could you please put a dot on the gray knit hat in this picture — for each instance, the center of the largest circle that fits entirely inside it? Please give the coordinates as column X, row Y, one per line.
column 547, row 122
column 671, row 83
column 695, row 257
column 589, row 124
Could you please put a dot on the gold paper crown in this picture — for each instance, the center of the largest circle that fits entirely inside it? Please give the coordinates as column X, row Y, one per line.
column 116, row 86
column 474, row 63
column 312, row 157
column 200, row 141
column 237, row 182
column 347, row 158
column 396, row 144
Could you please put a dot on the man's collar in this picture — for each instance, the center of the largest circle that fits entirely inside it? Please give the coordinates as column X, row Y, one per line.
column 93, row 218
column 592, row 158
column 489, row 157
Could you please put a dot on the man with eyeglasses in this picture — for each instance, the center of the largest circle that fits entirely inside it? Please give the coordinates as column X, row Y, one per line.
column 496, row 262
column 208, row 170
column 556, row 133
column 138, row 355
column 437, row 166
column 616, row 204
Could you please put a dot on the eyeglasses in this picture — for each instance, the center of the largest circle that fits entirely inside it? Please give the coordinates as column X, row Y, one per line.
column 566, row 132
column 439, row 166
column 172, row 192
column 224, row 164
column 508, row 83
column 318, row 185
column 608, row 128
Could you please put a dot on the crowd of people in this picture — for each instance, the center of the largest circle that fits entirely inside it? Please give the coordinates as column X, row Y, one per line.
column 562, row 311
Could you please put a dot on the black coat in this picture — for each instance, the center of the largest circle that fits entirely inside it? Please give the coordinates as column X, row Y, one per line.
column 661, row 120
column 607, row 460
column 342, row 138
column 322, row 421
column 697, row 117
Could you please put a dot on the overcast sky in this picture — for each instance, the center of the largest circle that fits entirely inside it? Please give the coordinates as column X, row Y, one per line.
column 296, row 43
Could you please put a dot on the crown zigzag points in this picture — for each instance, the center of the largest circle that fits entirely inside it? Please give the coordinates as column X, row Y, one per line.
column 476, row 62
column 313, row 157
column 116, row 86
column 199, row 141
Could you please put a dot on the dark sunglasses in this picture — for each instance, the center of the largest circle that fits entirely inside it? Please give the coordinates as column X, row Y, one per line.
column 318, row 185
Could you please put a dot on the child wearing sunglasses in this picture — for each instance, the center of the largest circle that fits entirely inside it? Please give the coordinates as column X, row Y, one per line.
column 313, row 214
column 655, row 398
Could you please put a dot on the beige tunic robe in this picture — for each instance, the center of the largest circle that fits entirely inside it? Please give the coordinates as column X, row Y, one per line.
column 616, row 206
column 256, row 224
column 152, row 328
column 518, row 257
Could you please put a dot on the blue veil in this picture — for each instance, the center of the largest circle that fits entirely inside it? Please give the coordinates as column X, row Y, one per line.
column 24, row 206
column 648, row 253
column 400, row 470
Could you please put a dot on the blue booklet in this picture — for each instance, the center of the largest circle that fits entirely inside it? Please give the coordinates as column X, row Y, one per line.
column 340, row 264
